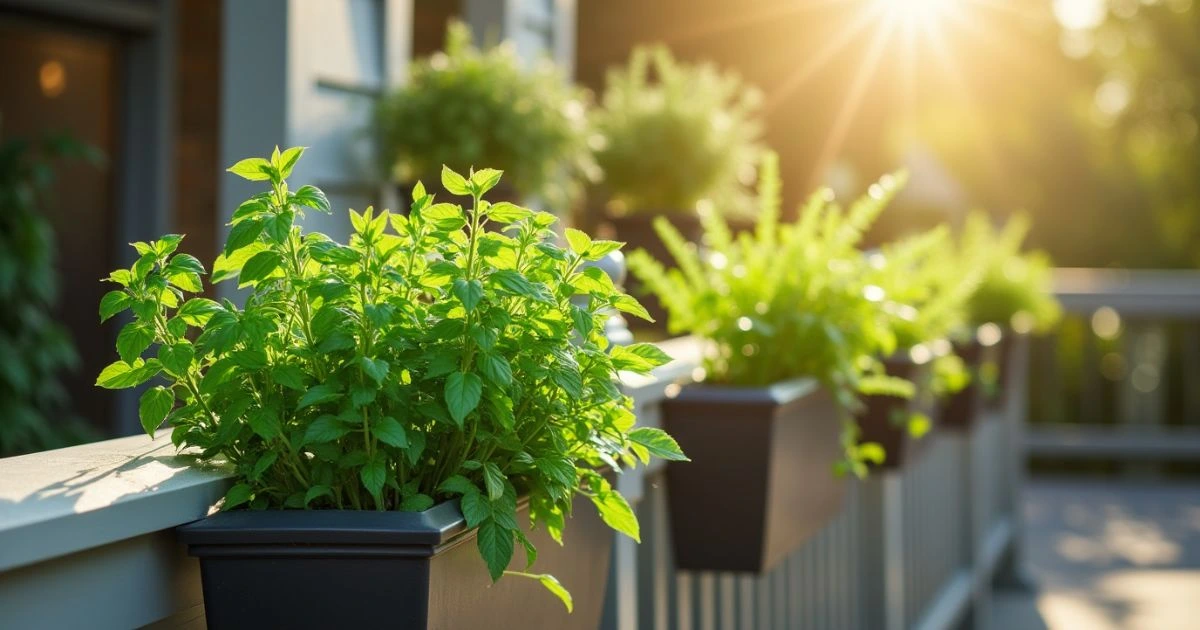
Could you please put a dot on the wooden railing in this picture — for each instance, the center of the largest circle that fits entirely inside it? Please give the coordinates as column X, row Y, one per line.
column 1119, row 381
column 86, row 538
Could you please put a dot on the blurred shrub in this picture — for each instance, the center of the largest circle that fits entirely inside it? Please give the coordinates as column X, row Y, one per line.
column 34, row 349
column 1017, row 288
column 466, row 108
column 675, row 134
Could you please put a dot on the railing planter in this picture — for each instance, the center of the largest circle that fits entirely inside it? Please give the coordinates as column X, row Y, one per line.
column 882, row 418
column 960, row 410
column 761, row 479
column 415, row 569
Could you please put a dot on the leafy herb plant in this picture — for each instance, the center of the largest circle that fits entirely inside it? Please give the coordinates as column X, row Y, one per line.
column 466, row 107
column 786, row 301
column 691, row 128
column 426, row 360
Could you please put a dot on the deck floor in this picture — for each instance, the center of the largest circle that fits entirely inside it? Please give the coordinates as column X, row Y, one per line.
column 1105, row 555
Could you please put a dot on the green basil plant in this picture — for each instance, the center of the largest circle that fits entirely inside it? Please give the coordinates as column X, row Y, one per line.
column 428, row 359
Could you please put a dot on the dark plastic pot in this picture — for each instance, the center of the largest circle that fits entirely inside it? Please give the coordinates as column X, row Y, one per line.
column 960, row 410
column 1002, row 353
column 876, row 421
column 362, row 569
column 761, row 481
column 637, row 232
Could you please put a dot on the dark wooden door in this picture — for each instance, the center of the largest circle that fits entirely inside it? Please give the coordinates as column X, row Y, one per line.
column 58, row 77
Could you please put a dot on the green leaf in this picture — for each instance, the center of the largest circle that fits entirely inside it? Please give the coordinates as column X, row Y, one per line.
column 918, row 425
column 112, row 303
column 154, row 406
column 416, row 503
column 249, row 209
column 445, row 217
column 389, row 431
column 513, row 282
column 462, row 395
column 317, row 492
column 454, row 183
column 237, row 495
column 374, row 475
column 469, row 292
column 278, row 226
column 122, row 375
column 312, row 197
column 600, row 249
column 485, row 179
column 226, row 267
column 318, row 394
column 615, row 512
column 494, row 480
column 376, row 369
column 327, row 428
column 658, row 443
column 253, row 169
column 578, row 240
column 627, row 304
column 289, row 376
column 259, row 267
column 185, row 263
column 872, row 452
column 197, row 311
column 475, row 508
column 457, row 484
column 177, row 358
column 243, row 234
column 505, row 212
column 496, row 547
column 551, row 583
column 264, row 421
column 133, row 340
column 287, row 161
column 496, row 369
column 263, row 463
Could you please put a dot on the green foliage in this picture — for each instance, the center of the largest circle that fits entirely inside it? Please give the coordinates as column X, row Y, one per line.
column 426, row 360
column 34, row 349
column 786, row 301
column 675, row 134
column 1016, row 289
column 924, row 284
column 466, row 108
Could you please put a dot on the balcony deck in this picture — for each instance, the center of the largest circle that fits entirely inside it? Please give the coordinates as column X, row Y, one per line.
column 1105, row 555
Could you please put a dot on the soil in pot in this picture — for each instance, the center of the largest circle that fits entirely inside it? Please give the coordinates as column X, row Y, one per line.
column 761, row 478
column 362, row 569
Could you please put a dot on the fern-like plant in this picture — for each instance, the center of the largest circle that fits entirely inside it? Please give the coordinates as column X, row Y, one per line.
column 785, row 301
column 1016, row 289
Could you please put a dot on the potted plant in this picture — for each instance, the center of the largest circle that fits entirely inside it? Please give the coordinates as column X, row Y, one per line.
column 922, row 288
column 675, row 136
column 466, row 107
column 1015, row 295
column 791, row 335
column 390, row 405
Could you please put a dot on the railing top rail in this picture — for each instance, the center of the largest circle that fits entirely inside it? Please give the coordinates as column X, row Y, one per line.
column 1132, row 292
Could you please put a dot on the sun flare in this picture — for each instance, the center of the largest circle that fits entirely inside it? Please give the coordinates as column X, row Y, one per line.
column 914, row 13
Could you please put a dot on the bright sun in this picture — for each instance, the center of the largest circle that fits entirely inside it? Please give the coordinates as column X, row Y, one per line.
column 910, row 13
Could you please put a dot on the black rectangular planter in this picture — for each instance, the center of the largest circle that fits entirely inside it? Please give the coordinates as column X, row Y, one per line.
column 761, row 477
column 960, row 410
column 363, row 569
column 875, row 420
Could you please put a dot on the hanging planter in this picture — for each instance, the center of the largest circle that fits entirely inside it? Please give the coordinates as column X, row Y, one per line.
column 397, row 569
column 884, row 419
column 960, row 410
column 761, row 479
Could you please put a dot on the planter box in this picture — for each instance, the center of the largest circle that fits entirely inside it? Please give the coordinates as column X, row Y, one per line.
column 959, row 411
column 761, row 479
column 363, row 569
column 875, row 420
column 1002, row 356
